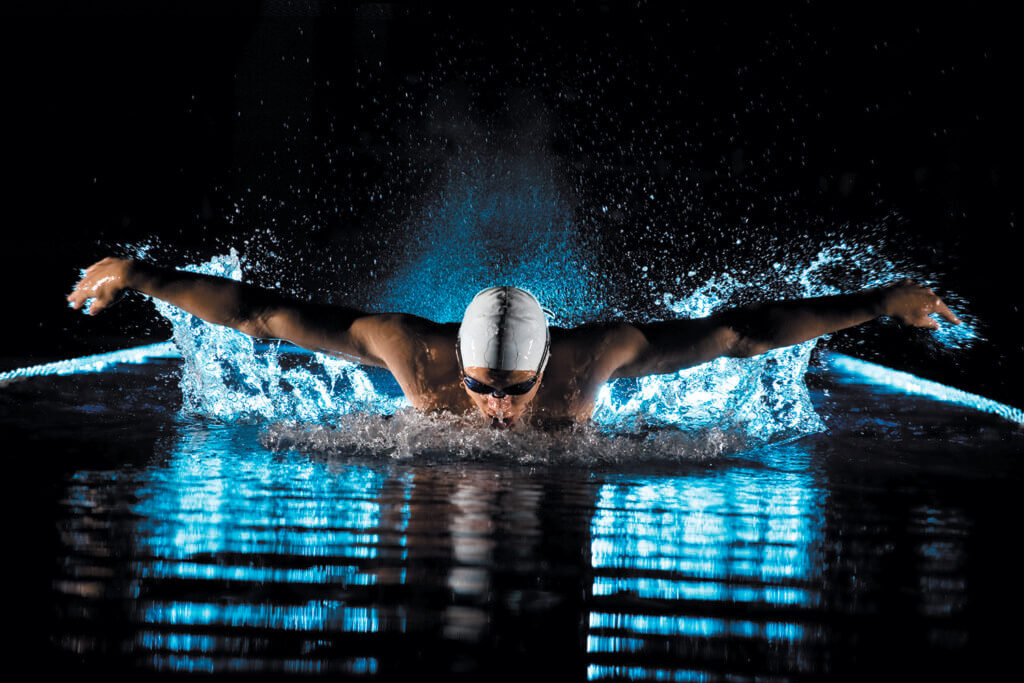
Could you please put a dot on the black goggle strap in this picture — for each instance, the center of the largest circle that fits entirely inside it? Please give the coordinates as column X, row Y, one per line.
column 547, row 348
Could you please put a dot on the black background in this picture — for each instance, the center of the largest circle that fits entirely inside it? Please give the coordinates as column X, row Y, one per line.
column 268, row 127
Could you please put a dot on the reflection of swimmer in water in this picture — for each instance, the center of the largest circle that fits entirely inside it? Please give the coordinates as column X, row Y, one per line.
column 503, row 360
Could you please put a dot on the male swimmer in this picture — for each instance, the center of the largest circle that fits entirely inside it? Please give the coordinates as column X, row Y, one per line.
column 503, row 360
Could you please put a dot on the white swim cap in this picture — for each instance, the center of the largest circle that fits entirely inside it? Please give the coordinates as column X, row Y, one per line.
column 504, row 328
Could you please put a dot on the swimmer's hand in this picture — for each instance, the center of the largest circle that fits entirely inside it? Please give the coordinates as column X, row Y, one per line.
column 103, row 282
column 913, row 304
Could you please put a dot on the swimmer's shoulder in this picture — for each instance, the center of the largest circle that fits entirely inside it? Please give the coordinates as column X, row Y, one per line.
column 592, row 333
column 599, row 342
column 585, row 357
column 399, row 327
column 429, row 333
column 420, row 354
column 402, row 340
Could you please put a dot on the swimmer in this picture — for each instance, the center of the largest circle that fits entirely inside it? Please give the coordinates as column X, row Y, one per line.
column 503, row 361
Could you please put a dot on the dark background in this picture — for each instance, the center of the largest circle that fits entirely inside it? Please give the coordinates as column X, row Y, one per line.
column 301, row 132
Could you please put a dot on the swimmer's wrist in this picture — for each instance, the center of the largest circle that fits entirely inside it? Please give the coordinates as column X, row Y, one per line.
column 136, row 274
column 882, row 301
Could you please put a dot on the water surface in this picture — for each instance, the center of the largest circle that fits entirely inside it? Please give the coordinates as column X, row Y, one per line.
column 184, row 544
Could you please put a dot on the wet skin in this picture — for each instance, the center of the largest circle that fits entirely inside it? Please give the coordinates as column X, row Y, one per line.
column 421, row 353
column 503, row 410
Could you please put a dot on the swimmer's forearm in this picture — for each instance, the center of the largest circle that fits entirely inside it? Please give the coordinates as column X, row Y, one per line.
column 669, row 346
column 769, row 326
column 214, row 299
column 762, row 327
column 265, row 313
column 249, row 309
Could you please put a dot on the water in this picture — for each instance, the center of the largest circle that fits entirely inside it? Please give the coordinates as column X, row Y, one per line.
column 183, row 543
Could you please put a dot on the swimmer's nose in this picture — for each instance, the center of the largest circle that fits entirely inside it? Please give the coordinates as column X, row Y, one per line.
column 499, row 403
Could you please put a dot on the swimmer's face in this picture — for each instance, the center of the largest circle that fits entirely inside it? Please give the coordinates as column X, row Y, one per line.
column 507, row 410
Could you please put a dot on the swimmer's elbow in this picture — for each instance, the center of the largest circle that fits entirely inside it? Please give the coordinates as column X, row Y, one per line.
column 725, row 340
column 254, row 327
column 738, row 345
column 270, row 324
column 665, row 348
column 747, row 349
column 255, row 314
column 736, row 335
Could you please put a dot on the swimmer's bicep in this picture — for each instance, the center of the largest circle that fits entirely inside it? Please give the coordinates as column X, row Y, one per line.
column 666, row 347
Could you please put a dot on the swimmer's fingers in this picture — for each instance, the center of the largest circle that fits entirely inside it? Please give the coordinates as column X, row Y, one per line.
column 935, row 305
column 79, row 294
column 914, row 305
column 927, row 322
column 100, row 304
column 943, row 310
column 84, row 289
column 84, row 292
column 101, row 282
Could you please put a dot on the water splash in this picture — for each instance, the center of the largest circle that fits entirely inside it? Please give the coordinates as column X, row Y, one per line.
column 728, row 403
column 763, row 397
column 224, row 375
column 444, row 437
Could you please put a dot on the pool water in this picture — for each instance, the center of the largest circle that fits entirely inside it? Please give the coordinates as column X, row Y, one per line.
column 161, row 543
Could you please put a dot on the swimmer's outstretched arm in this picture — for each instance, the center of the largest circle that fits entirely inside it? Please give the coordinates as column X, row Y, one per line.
column 355, row 335
column 664, row 347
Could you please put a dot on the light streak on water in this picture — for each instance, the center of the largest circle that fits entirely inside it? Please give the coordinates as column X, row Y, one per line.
column 671, row 589
column 217, row 512
column 94, row 363
column 214, row 500
column 192, row 663
column 680, row 529
column 879, row 375
column 323, row 574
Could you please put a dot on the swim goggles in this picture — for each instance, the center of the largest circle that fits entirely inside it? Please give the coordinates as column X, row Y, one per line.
column 519, row 389
column 478, row 387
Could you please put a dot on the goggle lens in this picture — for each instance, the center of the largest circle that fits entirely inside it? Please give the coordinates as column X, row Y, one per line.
column 514, row 390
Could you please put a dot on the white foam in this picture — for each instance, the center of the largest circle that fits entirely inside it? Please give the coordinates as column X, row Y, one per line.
column 446, row 437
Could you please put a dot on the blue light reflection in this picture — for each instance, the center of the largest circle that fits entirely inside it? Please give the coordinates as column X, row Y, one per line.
column 223, row 519
column 667, row 551
column 316, row 615
column 597, row 672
